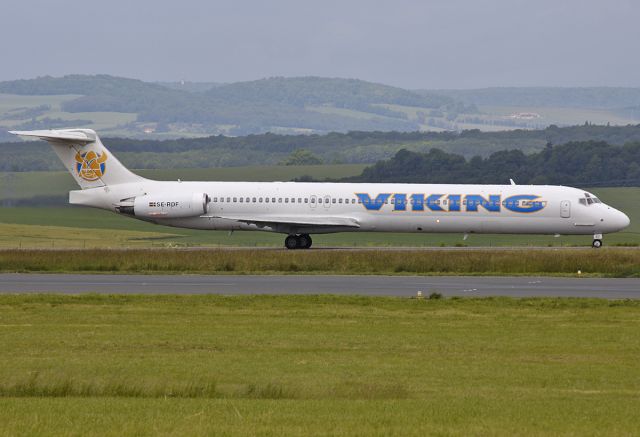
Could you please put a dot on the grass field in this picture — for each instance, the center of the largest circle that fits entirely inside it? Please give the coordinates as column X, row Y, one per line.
column 317, row 365
column 609, row 262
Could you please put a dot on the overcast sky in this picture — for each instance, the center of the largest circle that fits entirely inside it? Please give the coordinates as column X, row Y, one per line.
column 412, row 44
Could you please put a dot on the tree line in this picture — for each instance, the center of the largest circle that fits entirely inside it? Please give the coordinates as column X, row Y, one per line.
column 580, row 163
column 352, row 147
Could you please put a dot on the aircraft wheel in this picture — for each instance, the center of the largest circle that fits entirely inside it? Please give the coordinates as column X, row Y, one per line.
column 304, row 241
column 596, row 244
column 291, row 242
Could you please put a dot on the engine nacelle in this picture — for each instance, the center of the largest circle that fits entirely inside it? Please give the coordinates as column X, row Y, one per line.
column 166, row 205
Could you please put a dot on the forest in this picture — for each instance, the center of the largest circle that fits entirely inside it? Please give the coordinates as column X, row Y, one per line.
column 580, row 163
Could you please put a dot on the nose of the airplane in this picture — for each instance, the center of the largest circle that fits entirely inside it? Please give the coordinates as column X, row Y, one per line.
column 619, row 220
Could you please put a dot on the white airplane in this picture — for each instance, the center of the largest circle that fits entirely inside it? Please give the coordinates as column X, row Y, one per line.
column 301, row 209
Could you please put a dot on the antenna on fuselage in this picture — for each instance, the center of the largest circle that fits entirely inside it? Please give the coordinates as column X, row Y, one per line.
column 512, row 182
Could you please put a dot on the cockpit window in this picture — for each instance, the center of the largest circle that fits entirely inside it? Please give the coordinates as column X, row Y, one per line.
column 589, row 199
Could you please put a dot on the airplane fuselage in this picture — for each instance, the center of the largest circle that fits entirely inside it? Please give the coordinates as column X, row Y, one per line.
column 507, row 209
column 300, row 209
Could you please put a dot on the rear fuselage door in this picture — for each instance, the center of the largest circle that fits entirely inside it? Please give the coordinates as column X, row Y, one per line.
column 565, row 209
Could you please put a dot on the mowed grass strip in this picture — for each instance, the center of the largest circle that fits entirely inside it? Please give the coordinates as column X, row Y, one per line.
column 311, row 365
column 608, row 262
column 64, row 237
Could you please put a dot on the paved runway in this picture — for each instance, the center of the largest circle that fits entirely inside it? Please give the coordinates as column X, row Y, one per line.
column 404, row 286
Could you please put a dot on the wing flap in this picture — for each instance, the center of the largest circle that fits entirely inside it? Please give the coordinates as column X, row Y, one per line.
column 291, row 220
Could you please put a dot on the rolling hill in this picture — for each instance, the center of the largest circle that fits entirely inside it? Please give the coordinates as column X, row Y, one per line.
column 287, row 105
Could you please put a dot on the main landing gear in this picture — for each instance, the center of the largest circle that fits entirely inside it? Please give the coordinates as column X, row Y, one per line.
column 597, row 241
column 302, row 241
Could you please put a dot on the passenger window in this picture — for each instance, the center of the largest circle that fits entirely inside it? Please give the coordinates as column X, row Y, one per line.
column 260, row 200
column 279, row 199
column 320, row 200
column 253, row 200
column 333, row 200
column 293, row 200
column 339, row 200
column 306, row 200
column 286, row 200
column 299, row 199
column 313, row 200
column 228, row 199
column 215, row 199
column 247, row 200
column 235, row 199
column 266, row 199
column 241, row 199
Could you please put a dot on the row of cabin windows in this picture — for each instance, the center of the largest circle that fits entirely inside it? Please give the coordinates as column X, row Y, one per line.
column 281, row 200
column 353, row 201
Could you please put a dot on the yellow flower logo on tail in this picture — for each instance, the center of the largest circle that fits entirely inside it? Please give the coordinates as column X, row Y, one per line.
column 91, row 165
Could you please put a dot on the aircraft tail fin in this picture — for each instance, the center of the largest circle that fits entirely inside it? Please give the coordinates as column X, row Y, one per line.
column 85, row 157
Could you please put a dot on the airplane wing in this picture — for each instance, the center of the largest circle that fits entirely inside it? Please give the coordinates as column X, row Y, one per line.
column 292, row 220
column 63, row 135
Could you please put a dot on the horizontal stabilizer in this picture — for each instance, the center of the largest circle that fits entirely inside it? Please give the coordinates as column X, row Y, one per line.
column 292, row 220
column 83, row 136
column 84, row 156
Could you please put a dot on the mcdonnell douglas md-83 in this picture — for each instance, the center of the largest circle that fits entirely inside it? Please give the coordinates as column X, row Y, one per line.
column 301, row 209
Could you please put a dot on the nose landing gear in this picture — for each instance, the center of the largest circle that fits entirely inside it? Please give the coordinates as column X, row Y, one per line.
column 302, row 241
column 597, row 241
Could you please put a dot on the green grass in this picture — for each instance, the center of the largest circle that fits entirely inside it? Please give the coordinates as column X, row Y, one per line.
column 611, row 262
column 317, row 365
column 62, row 236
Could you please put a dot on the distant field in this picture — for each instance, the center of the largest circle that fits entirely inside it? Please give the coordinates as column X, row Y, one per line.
column 344, row 112
column 562, row 116
column 496, row 121
column 11, row 101
column 105, row 122
column 317, row 365
column 80, row 219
